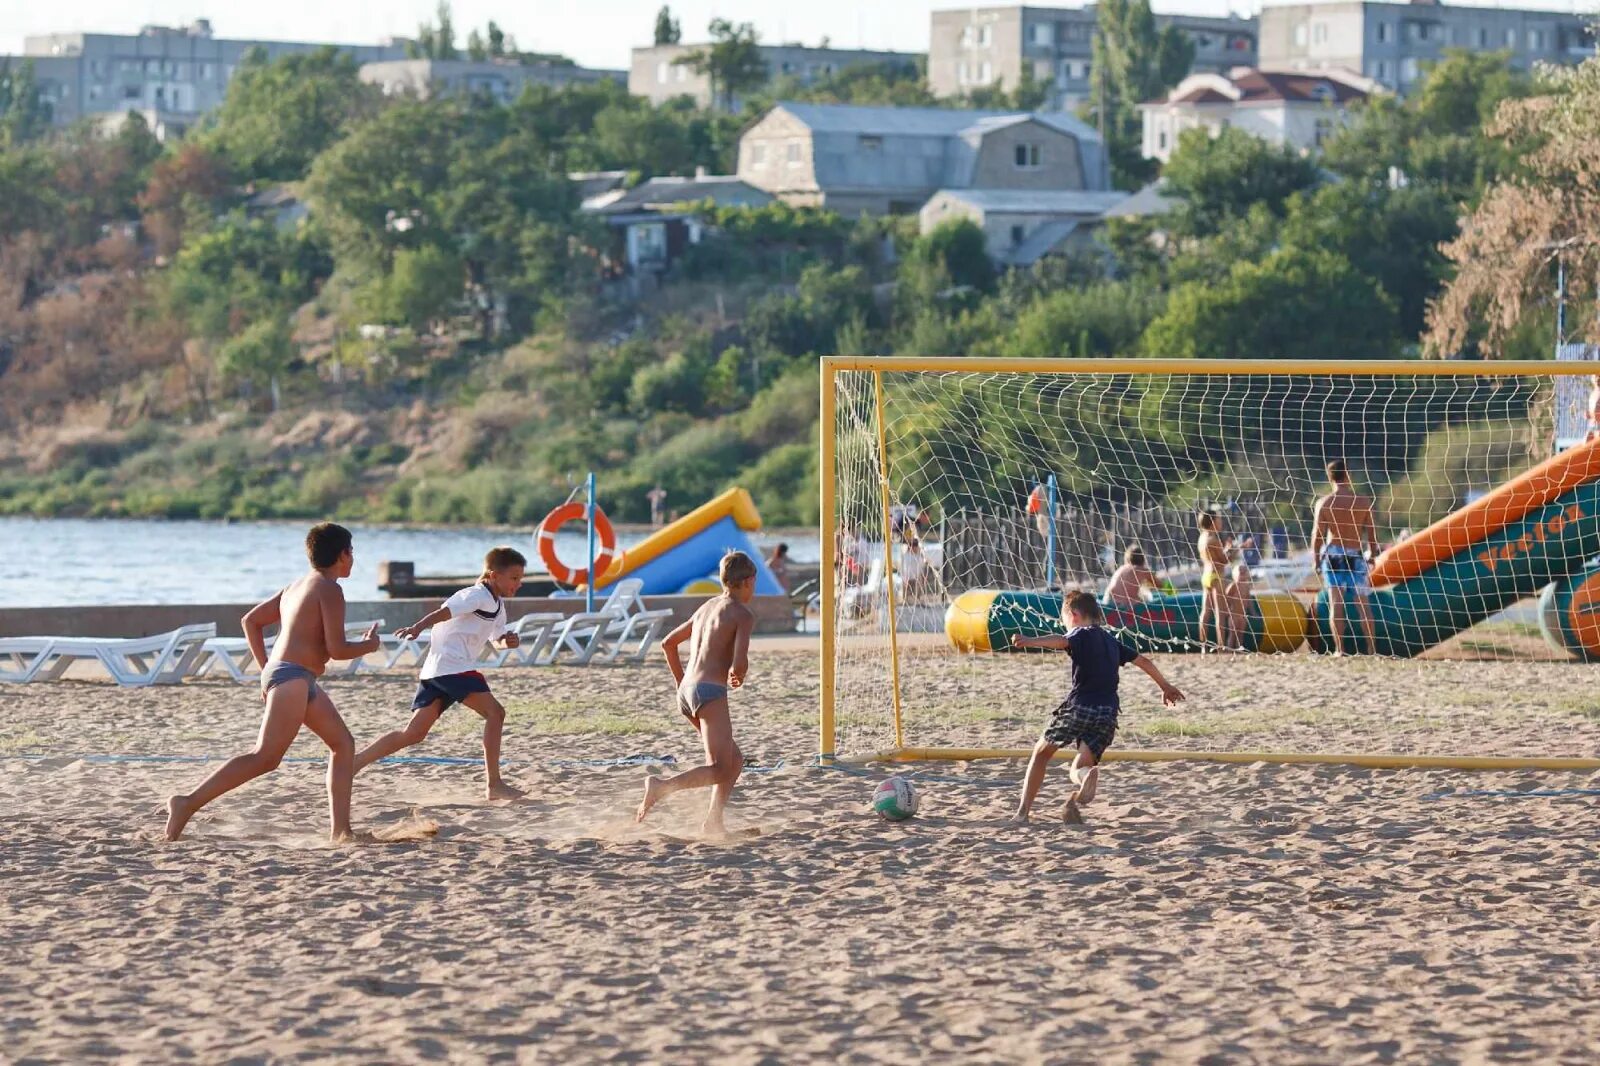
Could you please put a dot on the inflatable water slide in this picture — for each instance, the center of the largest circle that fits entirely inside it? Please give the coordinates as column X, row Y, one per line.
column 1537, row 531
column 682, row 556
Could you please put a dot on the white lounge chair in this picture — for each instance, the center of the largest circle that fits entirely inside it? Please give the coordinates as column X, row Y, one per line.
column 534, row 631
column 21, row 658
column 164, row 659
column 621, row 625
column 232, row 655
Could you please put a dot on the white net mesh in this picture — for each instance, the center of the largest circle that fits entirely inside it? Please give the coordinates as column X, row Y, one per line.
column 1020, row 485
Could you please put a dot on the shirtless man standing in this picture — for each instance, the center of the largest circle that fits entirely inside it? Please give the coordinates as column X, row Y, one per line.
column 311, row 617
column 719, row 658
column 1342, row 532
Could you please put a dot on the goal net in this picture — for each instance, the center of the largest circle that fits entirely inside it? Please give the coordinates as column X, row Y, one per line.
column 996, row 485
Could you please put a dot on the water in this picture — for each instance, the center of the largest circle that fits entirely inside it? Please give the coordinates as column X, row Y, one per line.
column 71, row 562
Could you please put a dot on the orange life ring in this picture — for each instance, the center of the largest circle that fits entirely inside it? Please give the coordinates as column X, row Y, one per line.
column 575, row 512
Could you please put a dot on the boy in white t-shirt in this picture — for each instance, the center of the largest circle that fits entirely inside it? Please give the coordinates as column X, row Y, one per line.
column 471, row 618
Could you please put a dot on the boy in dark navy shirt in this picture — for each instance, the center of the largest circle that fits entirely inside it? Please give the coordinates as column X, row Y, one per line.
column 1087, row 718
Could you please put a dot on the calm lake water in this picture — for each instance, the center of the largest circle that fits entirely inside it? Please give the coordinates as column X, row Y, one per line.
column 68, row 561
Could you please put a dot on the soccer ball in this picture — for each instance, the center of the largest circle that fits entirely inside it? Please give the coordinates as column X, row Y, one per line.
column 896, row 799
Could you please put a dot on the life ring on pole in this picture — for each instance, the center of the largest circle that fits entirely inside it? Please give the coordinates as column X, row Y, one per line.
column 575, row 512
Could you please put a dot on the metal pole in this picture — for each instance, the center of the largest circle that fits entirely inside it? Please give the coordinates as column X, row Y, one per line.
column 829, row 576
column 588, row 586
column 1050, row 535
column 1561, row 304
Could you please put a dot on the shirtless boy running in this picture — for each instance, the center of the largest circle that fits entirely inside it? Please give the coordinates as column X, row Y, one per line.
column 1342, row 529
column 719, row 644
column 311, row 617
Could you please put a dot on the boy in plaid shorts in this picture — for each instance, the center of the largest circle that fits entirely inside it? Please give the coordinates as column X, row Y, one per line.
column 1087, row 718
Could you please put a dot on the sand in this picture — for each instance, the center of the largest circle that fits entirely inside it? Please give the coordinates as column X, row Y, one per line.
column 1205, row 913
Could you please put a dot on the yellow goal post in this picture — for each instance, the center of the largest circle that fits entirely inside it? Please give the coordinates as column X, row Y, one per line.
column 959, row 497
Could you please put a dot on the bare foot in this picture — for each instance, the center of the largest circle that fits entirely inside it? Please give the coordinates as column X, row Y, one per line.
column 178, row 814
column 1020, row 818
column 502, row 791
column 353, row 836
column 713, row 830
column 652, row 796
column 1070, row 812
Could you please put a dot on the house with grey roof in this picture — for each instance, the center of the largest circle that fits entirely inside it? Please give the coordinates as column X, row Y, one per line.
column 655, row 221
column 891, row 160
column 1023, row 226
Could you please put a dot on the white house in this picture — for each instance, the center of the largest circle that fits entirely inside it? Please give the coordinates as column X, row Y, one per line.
column 1299, row 108
column 1022, row 226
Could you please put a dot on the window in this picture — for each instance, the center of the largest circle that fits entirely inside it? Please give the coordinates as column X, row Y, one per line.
column 1322, row 91
column 1483, row 37
column 985, row 36
column 680, row 72
column 964, row 75
column 1300, row 35
column 205, row 72
column 1319, row 33
column 1324, row 130
column 94, row 92
column 1027, row 156
column 792, row 153
column 1383, row 33
column 869, row 142
column 1017, row 233
column 758, row 155
column 130, row 92
column 1161, row 140
column 1408, row 70
column 985, row 73
column 1535, row 40
column 1458, row 36
column 1382, row 71
column 152, row 66
column 1042, row 33
column 663, row 72
column 1511, row 38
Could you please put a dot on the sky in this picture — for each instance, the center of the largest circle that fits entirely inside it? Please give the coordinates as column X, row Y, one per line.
column 596, row 33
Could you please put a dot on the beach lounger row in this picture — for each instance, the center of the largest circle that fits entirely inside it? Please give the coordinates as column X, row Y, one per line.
column 164, row 659
column 621, row 630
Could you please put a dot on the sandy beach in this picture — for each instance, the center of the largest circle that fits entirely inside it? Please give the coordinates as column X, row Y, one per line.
column 1206, row 913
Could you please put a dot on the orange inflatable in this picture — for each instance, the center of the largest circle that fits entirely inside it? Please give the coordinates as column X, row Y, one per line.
column 575, row 512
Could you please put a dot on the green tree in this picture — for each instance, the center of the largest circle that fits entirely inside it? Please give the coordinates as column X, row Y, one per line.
column 436, row 40
column 1294, row 303
column 957, row 250
column 732, row 61
column 1435, row 137
column 1131, row 64
column 421, row 287
column 497, row 40
column 259, row 355
column 24, row 114
column 477, row 47
column 1105, row 319
column 668, row 31
column 1221, row 177
column 278, row 116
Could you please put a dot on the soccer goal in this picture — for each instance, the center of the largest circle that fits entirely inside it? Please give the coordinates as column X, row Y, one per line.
column 961, row 497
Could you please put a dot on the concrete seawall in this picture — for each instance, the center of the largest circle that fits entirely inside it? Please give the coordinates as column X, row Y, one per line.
column 773, row 615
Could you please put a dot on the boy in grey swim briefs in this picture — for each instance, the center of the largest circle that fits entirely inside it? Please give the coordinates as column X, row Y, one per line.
column 310, row 619
column 719, row 645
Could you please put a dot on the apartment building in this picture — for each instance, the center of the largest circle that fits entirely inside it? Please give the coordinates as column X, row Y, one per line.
column 658, row 73
column 979, row 47
column 1392, row 43
column 499, row 81
column 173, row 73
